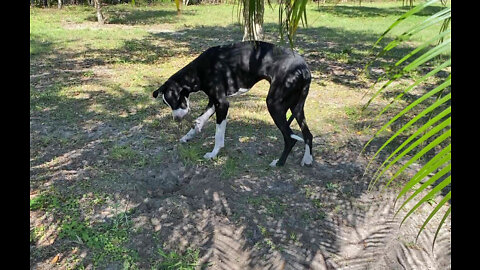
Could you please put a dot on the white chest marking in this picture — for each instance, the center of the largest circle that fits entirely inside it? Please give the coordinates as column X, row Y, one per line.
column 240, row 91
column 163, row 97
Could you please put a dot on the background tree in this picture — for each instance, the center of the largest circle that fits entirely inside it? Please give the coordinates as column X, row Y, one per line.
column 291, row 12
column 253, row 11
column 98, row 7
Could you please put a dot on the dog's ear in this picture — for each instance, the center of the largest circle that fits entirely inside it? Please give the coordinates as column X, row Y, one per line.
column 159, row 90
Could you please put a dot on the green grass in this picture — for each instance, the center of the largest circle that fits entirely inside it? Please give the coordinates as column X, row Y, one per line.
column 107, row 241
column 273, row 206
column 173, row 260
column 191, row 153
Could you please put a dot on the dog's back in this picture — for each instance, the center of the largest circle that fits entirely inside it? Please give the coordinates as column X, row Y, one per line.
column 241, row 65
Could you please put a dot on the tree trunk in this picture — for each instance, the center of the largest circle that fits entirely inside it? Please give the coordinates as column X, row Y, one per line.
column 59, row 4
column 253, row 24
column 98, row 7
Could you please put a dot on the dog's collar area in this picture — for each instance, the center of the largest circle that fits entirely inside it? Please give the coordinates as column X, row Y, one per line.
column 164, row 100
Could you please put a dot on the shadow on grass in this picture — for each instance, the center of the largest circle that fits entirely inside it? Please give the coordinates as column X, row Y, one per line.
column 363, row 11
column 128, row 15
column 124, row 189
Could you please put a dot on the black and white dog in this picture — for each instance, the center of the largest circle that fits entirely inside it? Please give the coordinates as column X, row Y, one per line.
column 228, row 70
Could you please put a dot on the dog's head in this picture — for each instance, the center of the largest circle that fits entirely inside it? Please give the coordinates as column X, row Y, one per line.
column 176, row 97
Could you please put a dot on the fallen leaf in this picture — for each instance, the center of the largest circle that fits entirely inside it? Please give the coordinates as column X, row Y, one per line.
column 55, row 259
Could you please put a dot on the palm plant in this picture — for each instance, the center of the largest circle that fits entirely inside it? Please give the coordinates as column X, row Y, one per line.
column 290, row 14
column 436, row 132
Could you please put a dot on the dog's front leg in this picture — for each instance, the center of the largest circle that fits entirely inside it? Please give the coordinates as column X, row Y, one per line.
column 221, row 114
column 199, row 123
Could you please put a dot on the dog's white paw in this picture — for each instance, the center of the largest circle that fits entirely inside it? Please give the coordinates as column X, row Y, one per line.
column 307, row 160
column 274, row 163
column 307, row 157
column 209, row 155
column 198, row 126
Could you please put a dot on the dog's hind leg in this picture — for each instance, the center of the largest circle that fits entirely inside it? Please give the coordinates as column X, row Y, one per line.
column 277, row 110
column 299, row 115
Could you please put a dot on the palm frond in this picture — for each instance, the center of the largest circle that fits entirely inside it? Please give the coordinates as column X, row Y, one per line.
column 435, row 133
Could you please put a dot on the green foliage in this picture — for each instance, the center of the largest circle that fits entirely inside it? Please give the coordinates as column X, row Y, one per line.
column 107, row 240
column 44, row 202
column 173, row 260
column 434, row 134
column 191, row 153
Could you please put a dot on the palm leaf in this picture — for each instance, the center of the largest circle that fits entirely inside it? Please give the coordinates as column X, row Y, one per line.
column 442, row 48
column 439, row 166
column 414, row 135
column 416, row 83
column 422, row 152
column 422, row 139
column 440, row 159
column 447, row 213
column 414, row 120
column 427, row 183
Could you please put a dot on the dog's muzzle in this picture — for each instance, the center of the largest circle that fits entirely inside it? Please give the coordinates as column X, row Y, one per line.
column 179, row 114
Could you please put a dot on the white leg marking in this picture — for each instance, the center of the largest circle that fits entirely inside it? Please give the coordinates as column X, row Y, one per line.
column 298, row 138
column 163, row 97
column 219, row 140
column 188, row 136
column 307, row 157
column 274, row 163
column 240, row 91
column 243, row 90
column 199, row 123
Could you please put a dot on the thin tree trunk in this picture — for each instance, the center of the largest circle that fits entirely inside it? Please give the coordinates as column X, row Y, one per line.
column 98, row 7
column 59, row 4
column 253, row 30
